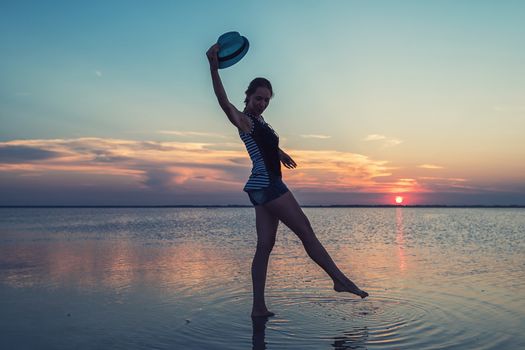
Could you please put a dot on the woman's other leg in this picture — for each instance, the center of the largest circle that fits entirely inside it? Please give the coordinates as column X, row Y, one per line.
column 286, row 209
column 266, row 224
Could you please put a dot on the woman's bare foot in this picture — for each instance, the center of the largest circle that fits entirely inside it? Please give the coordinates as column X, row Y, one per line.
column 350, row 287
column 263, row 312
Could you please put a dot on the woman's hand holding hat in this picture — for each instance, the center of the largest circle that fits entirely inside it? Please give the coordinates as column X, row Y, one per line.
column 212, row 56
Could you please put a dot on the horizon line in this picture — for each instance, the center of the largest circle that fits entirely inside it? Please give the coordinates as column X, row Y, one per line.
column 251, row 206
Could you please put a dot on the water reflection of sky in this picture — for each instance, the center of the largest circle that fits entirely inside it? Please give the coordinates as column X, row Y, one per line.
column 113, row 265
column 400, row 240
column 179, row 289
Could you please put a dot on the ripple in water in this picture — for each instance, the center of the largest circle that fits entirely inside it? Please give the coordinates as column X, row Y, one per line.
column 312, row 319
column 388, row 320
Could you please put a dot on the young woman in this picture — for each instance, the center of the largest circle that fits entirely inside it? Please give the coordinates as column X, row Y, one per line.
column 271, row 198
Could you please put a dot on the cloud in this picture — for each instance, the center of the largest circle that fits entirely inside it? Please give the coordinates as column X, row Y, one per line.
column 158, row 178
column 386, row 141
column 21, row 154
column 336, row 171
column 375, row 137
column 190, row 133
column 98, row 73
column 392, row 142
column 192, row 166
column 443, row 178
column 448, row 184
column 315, row 136
column 147, row 163
column 430, row 166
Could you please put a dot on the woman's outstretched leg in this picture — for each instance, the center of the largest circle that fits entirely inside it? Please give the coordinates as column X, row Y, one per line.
column 286, row 209
column 266, row 224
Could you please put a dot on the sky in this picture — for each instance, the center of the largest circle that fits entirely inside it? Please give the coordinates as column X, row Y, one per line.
column 111, row 102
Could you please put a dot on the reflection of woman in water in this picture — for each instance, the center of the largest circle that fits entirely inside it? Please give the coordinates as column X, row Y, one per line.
column 271, row 198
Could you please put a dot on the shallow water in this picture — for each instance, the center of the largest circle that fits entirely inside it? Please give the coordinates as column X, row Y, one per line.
column 180, row 278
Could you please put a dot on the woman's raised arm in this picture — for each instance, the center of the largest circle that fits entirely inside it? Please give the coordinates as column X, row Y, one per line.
column 236, row 117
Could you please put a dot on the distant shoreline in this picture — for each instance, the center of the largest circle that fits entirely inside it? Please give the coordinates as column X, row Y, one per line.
column 249, row 206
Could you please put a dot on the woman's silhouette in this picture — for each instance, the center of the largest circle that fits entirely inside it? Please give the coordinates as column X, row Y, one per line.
column 271, row 198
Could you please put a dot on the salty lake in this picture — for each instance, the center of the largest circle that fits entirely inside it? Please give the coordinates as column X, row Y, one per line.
column 179, row 278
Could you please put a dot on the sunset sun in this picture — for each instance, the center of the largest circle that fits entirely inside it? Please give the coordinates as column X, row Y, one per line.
column 399, row 199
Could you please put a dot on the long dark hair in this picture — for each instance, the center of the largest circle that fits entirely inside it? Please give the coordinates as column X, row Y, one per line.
column 257, row 83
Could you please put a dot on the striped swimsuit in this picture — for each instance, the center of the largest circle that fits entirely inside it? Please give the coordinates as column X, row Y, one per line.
column 262, row 144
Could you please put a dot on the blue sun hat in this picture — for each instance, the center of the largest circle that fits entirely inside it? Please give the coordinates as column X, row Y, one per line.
column 233, row 47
